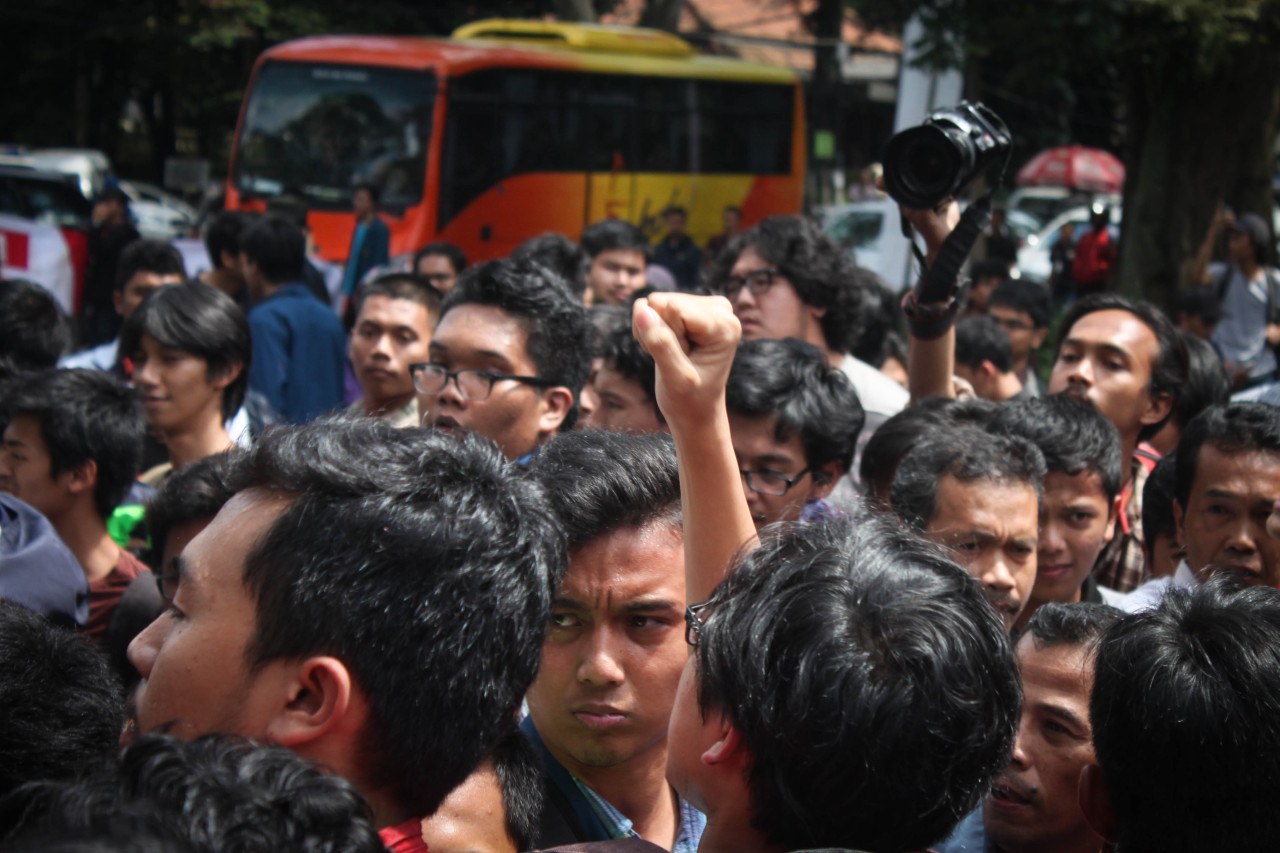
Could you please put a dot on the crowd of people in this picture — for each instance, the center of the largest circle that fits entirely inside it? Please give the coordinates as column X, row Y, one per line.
column 531, row 554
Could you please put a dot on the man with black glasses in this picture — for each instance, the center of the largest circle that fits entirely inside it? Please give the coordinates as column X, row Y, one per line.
column 510, row 354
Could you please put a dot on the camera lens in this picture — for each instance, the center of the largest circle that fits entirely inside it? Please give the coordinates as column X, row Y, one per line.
column 929, row 167
column 921, row 166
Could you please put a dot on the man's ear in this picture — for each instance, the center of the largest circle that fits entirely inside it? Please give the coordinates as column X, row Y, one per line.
column 227, row 376
column 1095, row 802
column 1158, row 408
column 825, row 478
column 729, row 748
column 556, row 404
column 318, row 698
column 1113, row 515
column 80, row 479
column 230, row 260
column 117, row 300
column 1038, row 336
column 988, row 371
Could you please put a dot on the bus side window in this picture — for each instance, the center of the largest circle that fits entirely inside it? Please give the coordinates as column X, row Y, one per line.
column 745, row 128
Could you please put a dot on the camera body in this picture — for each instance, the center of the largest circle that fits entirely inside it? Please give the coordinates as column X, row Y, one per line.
column 927, row 164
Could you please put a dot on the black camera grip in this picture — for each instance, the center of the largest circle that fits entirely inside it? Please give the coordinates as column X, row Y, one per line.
column 938, row 284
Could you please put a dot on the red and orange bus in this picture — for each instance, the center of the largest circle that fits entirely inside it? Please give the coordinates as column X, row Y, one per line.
column 512, row 128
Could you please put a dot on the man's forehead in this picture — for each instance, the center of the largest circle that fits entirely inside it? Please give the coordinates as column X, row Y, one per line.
column 1246, row 471
column 1116, row 327
column 1083, row 484
column 481, row 327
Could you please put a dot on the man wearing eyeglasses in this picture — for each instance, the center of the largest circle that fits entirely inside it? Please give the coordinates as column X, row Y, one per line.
column 787, row 279
column 795, row 423
column 508, row 358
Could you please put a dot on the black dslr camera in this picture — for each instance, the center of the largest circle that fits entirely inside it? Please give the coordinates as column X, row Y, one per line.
column 926, row 164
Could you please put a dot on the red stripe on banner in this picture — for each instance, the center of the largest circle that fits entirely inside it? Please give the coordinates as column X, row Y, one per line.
column 17, row 249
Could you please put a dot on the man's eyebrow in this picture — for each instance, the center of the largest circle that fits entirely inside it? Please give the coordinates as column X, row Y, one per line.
column 1063, row 712
column 652, row 606
column 774, row 459
column 182, row 569
column 1225, row 494
column 13, row 442
column 567, row 604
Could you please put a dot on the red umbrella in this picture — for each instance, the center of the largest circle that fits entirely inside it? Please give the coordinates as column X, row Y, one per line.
column 1074, row 167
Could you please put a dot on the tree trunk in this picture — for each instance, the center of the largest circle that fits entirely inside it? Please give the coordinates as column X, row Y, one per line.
column 662, row 14
column 1193, row 141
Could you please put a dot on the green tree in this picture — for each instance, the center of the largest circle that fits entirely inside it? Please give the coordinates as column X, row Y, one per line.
column 1195, row 86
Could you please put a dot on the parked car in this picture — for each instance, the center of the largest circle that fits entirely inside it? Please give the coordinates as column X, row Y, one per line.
column 1042, row 204
column 1033, row 258
column 52, row 200
column 159, row 215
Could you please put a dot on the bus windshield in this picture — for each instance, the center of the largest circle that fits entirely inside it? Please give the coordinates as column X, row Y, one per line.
column 318, row 131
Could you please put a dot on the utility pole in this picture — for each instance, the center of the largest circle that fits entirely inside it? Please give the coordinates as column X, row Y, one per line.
column 826, row 109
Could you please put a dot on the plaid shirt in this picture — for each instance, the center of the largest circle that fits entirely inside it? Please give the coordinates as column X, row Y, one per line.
column 1122, row 565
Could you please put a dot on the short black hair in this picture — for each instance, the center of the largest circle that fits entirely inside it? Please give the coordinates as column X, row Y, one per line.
column 821, row 272
column 895, row 437
column 558, row 253
column 613, row 234
column 1183, row 714
column 559, row 334
column 1168, row 372
column 442, row 623
column 968, row 455
column 1077, row 624
column 63, row 707
column 980, row 339
column 872, row 684
column 222, row 234
column 218, row 792
column 1157, row 501
column 85, row 416
column 792, row 379
column 33, row 329
column 675, row 208
column 1231, row 429
column 277, row 246
column 197, row 318
column 989, row 268
column 882, row 318
column 623, row 353
column 370, row 188
column 520, row 777
column 457, row 258
column 1203, row 302
column 1207, row 382
column 1025, row 296
column 1073, row 436
column 194, row 492
column 402, row 285
column 153, row 256
column 599, row 481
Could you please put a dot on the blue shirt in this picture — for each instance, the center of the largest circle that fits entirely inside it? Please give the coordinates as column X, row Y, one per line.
column 299, row 350
column 969, row 836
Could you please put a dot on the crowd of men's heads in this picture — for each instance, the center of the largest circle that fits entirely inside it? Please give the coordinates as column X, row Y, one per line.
column 383, row 602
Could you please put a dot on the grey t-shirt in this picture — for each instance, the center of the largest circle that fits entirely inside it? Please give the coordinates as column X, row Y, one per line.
column 1241, row 334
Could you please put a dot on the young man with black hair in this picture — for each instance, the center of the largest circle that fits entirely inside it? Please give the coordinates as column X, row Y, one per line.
column 794, row 422
column 395, row 315
column 1159, row 529
column 110, row 233
column 1034, row 805
column 979, row 495
column 1183, row 716
column 1199, row 312
column 599, row 707
column 1226, row 481
column 623, row 385
column 62, row 707
column 33, row 329
column 215, row 793
column 1207, row 385
column 286, row 626
column 617, row 254
column 1126, row 360
column 984, row 359
column 71, row 451
column 299, row 347
column 370, row 242
column 440, row 264
column 731, row 221
column 988, row 277
column 1082, row 477
column 189, row 349
column 676, row 252
column 559, row 254
column 1023, row 310
column 222, row 242
column 144, row 266
column 759, row 740
column 787, row 279
column 509, row 357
